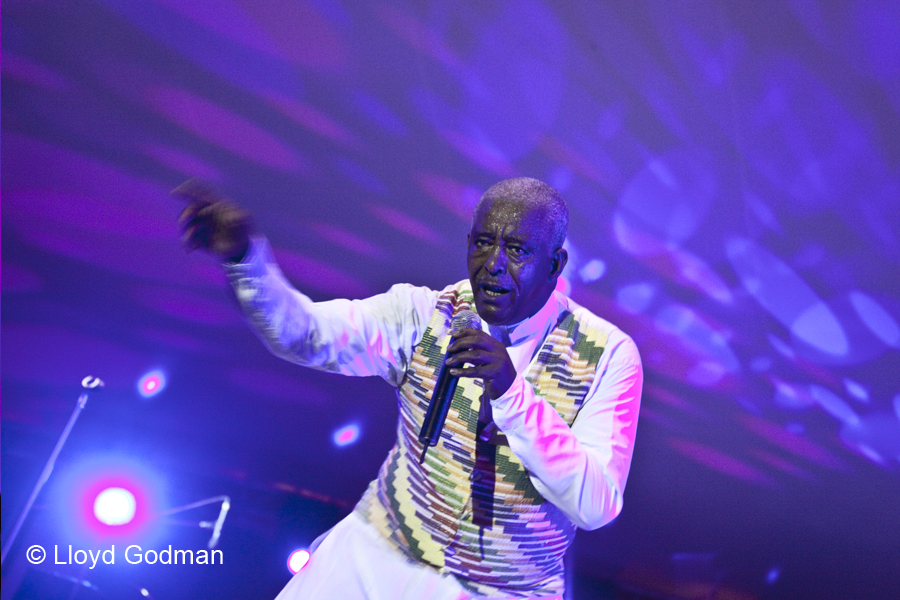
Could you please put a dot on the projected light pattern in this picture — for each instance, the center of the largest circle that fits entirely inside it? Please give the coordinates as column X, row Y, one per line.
column 297, row 560
column 732, row 183
column 115, row 506
column 346, row 435
column 151, row 384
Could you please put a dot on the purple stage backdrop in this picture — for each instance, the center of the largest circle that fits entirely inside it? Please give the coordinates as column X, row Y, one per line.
column 733, row 174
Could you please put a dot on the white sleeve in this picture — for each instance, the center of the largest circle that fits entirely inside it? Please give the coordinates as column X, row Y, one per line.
column 583, row 469
column 374, row 336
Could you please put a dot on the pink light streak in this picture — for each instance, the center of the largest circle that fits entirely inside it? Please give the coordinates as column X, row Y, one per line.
column 719, row 461
column 406, row 224
column 458, row 198
column 226, row 129
column 313, row 274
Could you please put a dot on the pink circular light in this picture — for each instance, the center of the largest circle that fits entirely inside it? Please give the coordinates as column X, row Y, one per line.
column 115, row 503
column 346, row 435
column 151, row 384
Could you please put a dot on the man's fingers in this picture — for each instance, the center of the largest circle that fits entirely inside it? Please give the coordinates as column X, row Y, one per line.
column 196, row 235
column 204, row 215
column 187, row 188
column 213, row 222
column 192, row 221
column 473, row 372
column 466, row 356
column 202, row 210
column 485, row 372
column 197, row 222
column 189, row 212
column 212, row 209
column 472, row 340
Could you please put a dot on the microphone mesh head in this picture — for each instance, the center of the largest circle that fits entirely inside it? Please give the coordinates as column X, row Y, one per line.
column 465, row 319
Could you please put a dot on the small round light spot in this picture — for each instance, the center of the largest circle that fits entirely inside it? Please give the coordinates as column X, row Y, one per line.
column 593, row 270
column 346, row 435
column 115, row 506
column 856, row 389
column 151, row 384
column 298, row 560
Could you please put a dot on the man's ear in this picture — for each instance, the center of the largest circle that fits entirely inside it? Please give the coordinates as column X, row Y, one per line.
column 558, row 262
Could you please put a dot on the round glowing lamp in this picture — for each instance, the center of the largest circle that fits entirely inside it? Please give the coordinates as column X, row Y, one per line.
column 115, row 506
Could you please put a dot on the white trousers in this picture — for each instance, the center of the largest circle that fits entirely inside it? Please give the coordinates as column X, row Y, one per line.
column 354, row 562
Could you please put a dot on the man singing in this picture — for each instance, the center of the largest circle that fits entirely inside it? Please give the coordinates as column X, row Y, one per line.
column 540, row 432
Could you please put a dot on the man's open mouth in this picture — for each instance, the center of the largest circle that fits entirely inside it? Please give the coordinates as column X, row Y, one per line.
column 493, row 291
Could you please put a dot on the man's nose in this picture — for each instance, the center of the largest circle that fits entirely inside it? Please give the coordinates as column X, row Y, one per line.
column 496, row 263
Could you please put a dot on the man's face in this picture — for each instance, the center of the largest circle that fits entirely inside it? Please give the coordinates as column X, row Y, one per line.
column 511, row 264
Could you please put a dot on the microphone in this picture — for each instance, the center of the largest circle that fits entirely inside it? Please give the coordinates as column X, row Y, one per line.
column 444, row 388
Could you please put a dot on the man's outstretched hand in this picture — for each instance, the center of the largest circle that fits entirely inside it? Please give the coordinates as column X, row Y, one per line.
column 212, row 222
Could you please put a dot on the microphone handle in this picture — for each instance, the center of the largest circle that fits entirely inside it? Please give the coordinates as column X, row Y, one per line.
column 437, row 409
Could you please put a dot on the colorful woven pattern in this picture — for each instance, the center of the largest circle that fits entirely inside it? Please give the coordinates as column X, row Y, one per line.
column 470, row 509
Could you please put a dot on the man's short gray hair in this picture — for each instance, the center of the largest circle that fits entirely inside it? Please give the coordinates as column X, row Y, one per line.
column 534, row 194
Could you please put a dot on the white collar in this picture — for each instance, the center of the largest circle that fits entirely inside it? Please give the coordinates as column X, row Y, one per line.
column 537, row 324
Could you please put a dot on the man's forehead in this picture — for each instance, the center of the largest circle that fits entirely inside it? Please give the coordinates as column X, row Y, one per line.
column 507, row 212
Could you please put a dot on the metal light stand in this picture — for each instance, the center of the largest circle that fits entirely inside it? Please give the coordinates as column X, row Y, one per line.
column 88, row 383
column 94, row 383
column 216, row 525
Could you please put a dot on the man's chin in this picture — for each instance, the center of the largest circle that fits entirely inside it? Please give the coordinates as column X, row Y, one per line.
column 491, row 314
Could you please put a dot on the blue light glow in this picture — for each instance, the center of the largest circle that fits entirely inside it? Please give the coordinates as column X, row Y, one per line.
column 786, row 296
column 878, row 320
column 818, row 327
column 593, row 270
column 833, row 404
column 635, row 298
column 855, row 389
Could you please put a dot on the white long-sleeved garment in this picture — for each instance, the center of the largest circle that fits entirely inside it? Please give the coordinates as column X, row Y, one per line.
column 582, row 470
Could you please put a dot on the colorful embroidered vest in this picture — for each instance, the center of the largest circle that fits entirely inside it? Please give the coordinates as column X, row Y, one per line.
column 470, row 510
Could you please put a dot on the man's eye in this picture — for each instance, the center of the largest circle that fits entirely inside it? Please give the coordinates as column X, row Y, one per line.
column 517, row 250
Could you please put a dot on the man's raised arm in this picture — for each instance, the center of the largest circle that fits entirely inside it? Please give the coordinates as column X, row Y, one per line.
column 374, row 336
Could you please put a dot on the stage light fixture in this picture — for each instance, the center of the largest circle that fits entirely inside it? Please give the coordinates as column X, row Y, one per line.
column 115, row 506
column 151, row 384
column 115, row 497
column 346, row 435
column 298, row 560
